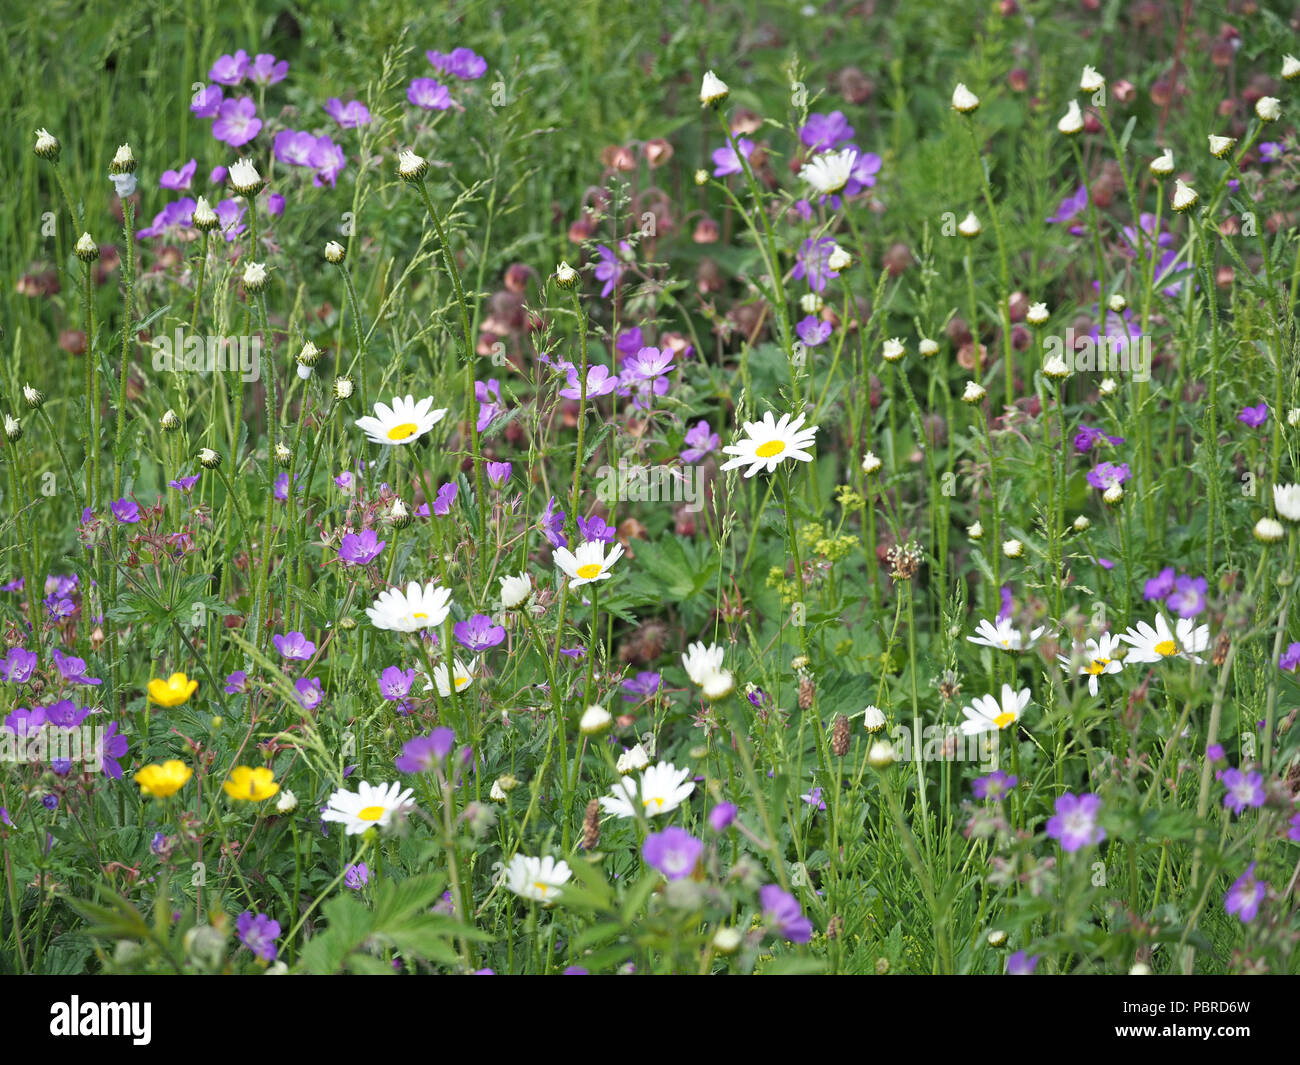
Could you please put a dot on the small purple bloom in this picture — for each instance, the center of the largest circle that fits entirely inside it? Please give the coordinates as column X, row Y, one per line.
column 112, row 747
column 1243, row 789
column 781, row 911
column 429, row 94
column 1215, row 753
column 73, row 670
column 258, row 933
column 445, row 498
column 17, row 665
column 814, row 798
column 1270, row 152
column 328, row 160
column 813, row 330
column 702, row 441
column 349, row 115
column 178, row 179
column 726, row 161
column 1290, row 659
column 610, row 268
column 821, row 133
column 551, row 524
column 1161, row 586
column 360, row 549
column 674, row 852
column 395, row 684
column 1106, row 474
column 997, row 785
column 237, row 122
column 594, row 528
column 236, row 683
column 1188, row 597
column 600, row 382
column 23, row 721
column 264, row 70
column 811, row 263
column 126, row 511
column 643, row 685
column 294, row 646
column 293, row 147
column 1087, row 438
column 309, row 692
column 1071, row 205
column 184, row 484
column 423, row 754
column 479, row 633
column 66, row 714
column 721, row 816
column 1245, row 895
column 1254, row 416
column 498, row 473
column 206, row 102
column 1074, row 825
column 462, row 63
column 1018, row 964
column 230, row 69
column 356, row 876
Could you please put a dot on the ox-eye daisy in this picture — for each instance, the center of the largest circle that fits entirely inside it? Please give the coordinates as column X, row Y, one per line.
column 540, row 879
column 463, row 673
column 589, row 563
column 1004, row 636
column 403, row 422
column 1158, row 643
column 1093, row 659
column 770, row 442
column 987, row 714
column 829, row 172
column 368, row 806
column 419, row 607
column 663, row 788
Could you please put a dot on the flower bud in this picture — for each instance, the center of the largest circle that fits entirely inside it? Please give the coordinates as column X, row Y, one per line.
column 1163, row 164
column 255, row 278
column 205, row 218
column 713, row 90
column 13, row 429
column 893, row 350
column 974, row 393
column 881, row 755
column 1013, row 548
column 87, row 250
column 47, row 145
column 34, row 399
column 411, row 167
column 123, row 162
column 343, row 387
column 928, row 348
column 208, row 458
column 334, row 252
column 963, row 100
column 595, row 720
column 566, row 276
column 970, row 227
column 169, row 422
column 244, row 178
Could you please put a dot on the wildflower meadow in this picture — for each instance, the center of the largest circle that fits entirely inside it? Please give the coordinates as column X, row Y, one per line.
column 651, row 489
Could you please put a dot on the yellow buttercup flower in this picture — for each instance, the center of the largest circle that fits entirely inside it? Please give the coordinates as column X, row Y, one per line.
column 163, row 780
column 250, row 784
column 173, row 691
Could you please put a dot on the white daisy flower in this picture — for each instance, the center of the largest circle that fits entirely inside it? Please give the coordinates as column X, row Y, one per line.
column 1072, row 121
column 663, row 788
column 1002, row 635
column 463, row 673
column 701, row 662
column 1184, row 195
column 1090, row 80
column 987, row 714
column 243, row 177
column 828, row 172
column 1269, row 108
column 588, row 564
column 633, row 759
column 1094, row 659
column 769, row 443
column 539, row 879
column 964, row 100
column 418, row 607
column 403, row 422
column 369, row 806
column 1286, row 499
column 1163, row 164
column 515, row 589
column 1159, row 643
column 713, row 89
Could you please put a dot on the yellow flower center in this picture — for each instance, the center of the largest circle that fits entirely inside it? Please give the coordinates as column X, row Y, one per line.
column 461, row 681
column 422, row 617
column 591, row 569
column 658, row 801
column 1166, row 648
column 1098, row 666
column 540, row 887
column 371, row 813
column 403, row 431
column 1004, row 719
column 772, row 447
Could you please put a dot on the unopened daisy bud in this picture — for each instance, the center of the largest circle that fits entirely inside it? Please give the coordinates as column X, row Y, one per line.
column 1013, row 548
column 701, row 177
column 1293, row 417
column 286, row 803
column 123, row 162
column 1056, row 368
column 1268, row 530
column 974, row 392
column 1290, row 69
column 893, row 350
column 595, row 720
column 871, row 463
column 928, row 348
column 1107, row 386
column 1269, row 108
column 969, row 227
column 255, row 277
column 1163, row 164
column 47, row 145
column 87, row 250
column 976, row 531
column 1072, row 121
column 13, row 429
column 840, row 736
column 881, row 755
column 811, row 303
column 633, row 760
column 839, row 260
column 996, row 938
column 1082, row 523
column 208, row 458
column 1221, row 146
column 1117, row 302
column 1037, row 314
column 283, row 453
column 566, row 276
column 1184, row 195
column 1090, row 80
column 205, row 218
column 310, row 354
column 244, row 178
column 398, row 515
column 169, row 422
column 334, row 252
column 34, row 398
column 412, row 167
column 498, row 793
column 1114, row 494
column 343, row 387
column 964, row 100
column 713, row 90
column 727, row 940
column 873, row 719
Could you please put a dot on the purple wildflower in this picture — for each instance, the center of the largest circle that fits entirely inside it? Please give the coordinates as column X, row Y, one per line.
column 258, row 933
column 813, row 797
column 997, row 785
column 1106, row 474
column 265, row 70
column 1071, row 206
column 1020, row 964
column 498, row 473
column 811, row 263
column 184, row 484
column 126, row 511
column 594, row 528
column 17, row 665
column 395, row 684
column 643, row 685
column 444, row 499
column 821, row 133
column 309, row 692
column 610, row 268
column 236, row 683
column 294, row 646
column 237, row 122
column 702, row 441
column 66, row 714
column 178, row 179
column 1161, row 586
column 360, row 549
column 207, row 101
column 112, row 746
column 1245, row 895
column 1254, row 416
column 230, row 69
column 1188, row 597
column 551, row 524
column 73, row 669
column 349, row 115
column 726, row 160
column 1074, row 824
column 429, row 94
column 356, row 876
column 478, row 633
column 721, row 817
column 1087, row 438
column 781, row 910
column 423, row 754
column 1243, row 789
column 674, row 852
column 813, row 330
column 1290, row 659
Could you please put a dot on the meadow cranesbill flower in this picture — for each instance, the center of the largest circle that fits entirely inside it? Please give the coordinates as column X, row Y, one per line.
column 423, row 754
column 444, row 499
column 349, row 115
column 184, row 484
column 1243, row 789
column 370, row 806
column 663, row 787
column 66, row 714
column 600, row 382
column 726, row 160
column 1087, row 438
column 1003, row 635
column 293, row 147
column 812, row 262
column 1107, row 475
column 402, row 423
column 1094, row 659
column 781, row 911
column 294, row 646
column 309, row 692
column 813, row 797
column 25, row 721
column 497, row 473
column 479, row 633
column 360, row 549
column 645, row 684
column 551, row 524
column 417, row 607
column 258, row 933
column 463, row 63
column 178, row 179
column 428, row 94
column 173, row 691
column 230, row 69
column 1021, row 964
column 163, row 780
column 1270, row 152
column 997, row 785
column 395, row 684
column 1074, row 825
column 589, row 563
column 1254, row 416
column 236, row 683
column 250, row 784
column 825, row 132
column 769, row 442
column 266, row 70
column 610, row 268
column 1160, row 643
column 539, row 879
column 987, row 714
column 464, row 675
column 237, row 123
column 357, row 876
column 1290, row 658
column 17, row 666
column 674, row 852
column 1188, row 597
column 722, row 816
column 1245, row 895
column 701, row 442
